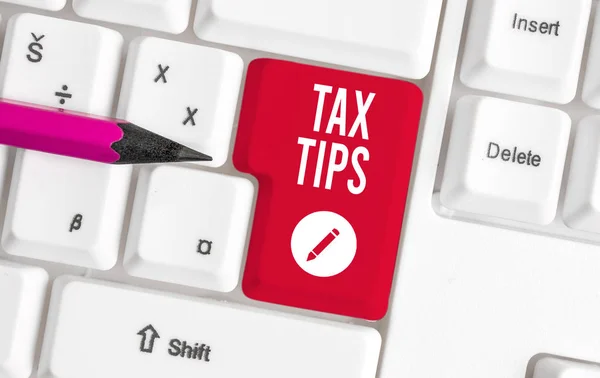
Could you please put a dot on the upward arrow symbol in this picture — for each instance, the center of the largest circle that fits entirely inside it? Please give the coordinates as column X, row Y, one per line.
column 148, row 334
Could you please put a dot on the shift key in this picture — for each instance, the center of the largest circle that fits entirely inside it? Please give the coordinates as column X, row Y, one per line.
column 100, row 330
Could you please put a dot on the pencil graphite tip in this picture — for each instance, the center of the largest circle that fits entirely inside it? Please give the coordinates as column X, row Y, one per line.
column 311, row 256
column 139, row 146
column 187, row 154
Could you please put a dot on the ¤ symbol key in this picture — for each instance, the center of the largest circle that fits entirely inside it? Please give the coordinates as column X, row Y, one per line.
column 63, row 95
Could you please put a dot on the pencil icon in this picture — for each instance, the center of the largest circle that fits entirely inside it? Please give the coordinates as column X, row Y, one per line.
column 316, row 251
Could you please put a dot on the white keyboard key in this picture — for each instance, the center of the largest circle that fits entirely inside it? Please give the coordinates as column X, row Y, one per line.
column 60, row 63
column 505, row 159
column 591, row 84
column 526, row 48
column 65, row 210
column 22, row 292
column 185, row 92
column 98, row 330
column 551, row 367
column 189, row 227
column 53, row 5
column 165, row 15
column 582, row 199
column 395, row 37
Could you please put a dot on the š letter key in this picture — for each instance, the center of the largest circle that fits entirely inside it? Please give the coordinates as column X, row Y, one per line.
column 332, row 152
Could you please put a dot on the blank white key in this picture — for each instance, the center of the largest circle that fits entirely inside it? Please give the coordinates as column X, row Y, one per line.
column 189, row 227
column 526, row 48
column 185, row 92
column 65, row 210
column 505, row 159
column 165, row 15
column 582, row 199
column 53, row 5
column 60, row 63
column 591, row 84
column 99, row 330
column 551, row 367
column 22, row 292
column 395, row 37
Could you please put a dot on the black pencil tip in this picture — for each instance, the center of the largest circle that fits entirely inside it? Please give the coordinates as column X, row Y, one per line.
column 139, row 146
column 187, row 154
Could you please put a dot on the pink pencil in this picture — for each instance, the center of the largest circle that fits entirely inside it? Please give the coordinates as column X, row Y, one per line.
column 82, row 136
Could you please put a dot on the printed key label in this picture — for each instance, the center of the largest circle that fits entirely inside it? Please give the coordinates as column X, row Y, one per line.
column 35, row 48
column 162, row 74
column 332, row 158
column 149, row 342
column 76, row 222
column 340, row 157
column 204, row 247
column 332, row 152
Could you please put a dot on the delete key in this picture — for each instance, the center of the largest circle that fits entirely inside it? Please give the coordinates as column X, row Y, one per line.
column 332, row 152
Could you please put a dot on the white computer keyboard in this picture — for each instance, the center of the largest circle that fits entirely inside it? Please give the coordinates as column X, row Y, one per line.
column 276, row 259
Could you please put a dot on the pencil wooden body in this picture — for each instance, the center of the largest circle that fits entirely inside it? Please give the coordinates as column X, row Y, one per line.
column 58, row 132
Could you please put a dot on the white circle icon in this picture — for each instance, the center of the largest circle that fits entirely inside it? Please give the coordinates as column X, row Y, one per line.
column 323, row 244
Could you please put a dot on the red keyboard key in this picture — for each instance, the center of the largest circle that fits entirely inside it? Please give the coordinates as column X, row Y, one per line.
column 332, row 152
